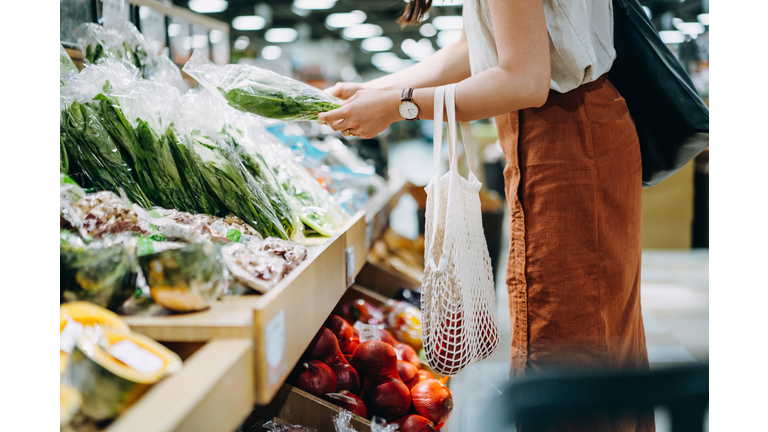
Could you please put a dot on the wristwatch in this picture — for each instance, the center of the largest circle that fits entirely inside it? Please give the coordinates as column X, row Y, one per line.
column 408, row 110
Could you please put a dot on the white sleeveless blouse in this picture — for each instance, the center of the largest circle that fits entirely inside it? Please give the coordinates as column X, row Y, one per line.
column 580, row 39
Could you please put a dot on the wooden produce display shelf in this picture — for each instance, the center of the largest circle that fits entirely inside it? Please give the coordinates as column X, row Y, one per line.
column 211, row 393
column 281, row 323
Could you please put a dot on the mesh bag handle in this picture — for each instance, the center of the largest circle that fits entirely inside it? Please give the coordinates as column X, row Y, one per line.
column 445, row 96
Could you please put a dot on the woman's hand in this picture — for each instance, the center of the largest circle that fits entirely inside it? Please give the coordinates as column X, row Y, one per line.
column 366, row 114
column 345, row 90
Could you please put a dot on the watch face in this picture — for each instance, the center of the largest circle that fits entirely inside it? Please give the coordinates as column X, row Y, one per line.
column 408, row 110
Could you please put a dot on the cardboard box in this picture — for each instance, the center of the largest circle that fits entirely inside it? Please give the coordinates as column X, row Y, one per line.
column 668, row 212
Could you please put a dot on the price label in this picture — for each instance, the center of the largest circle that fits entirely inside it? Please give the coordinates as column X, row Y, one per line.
column 136, row 357
column 350, row 266
column 274, row 342
column 367, row 332
column 68, row 338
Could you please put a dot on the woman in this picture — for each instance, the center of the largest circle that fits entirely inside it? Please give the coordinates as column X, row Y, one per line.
column 573, row 173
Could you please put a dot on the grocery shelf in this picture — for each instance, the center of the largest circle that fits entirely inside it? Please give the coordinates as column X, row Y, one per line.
column 211, row 393
column 281, row 322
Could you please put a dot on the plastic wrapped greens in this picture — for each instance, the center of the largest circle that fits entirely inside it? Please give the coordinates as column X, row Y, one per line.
column 260, row 91
column 185, row 279
column 225, row 176
column 135, row 117
column 256, row 165
column 88, row 143
column 191, row 174
column 119, row 40
column 67, row 68
column 103, row 273
column 313, row 203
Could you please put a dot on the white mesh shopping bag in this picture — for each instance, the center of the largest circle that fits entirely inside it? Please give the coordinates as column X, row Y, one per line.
column 458, row 301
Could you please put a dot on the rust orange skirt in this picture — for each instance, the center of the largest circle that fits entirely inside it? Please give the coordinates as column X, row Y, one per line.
column 573, row 184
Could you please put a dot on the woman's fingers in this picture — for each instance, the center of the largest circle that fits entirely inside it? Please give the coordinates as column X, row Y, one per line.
column 336, row 90
column 332, row 116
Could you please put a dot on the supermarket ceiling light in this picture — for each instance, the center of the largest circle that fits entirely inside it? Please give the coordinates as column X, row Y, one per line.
column 208, row 6
column 144, row 12
column 672, row 37
column 447, row 37
column 249, row 22
column 376, row 44
column 313, row 4
column 703, row 18
column 242, row 43
column 692, row 29
column 440, row 3
column 216, row 36
column 271, row 52
column 427, row 30
column 389, row 62
column 448, row 22
column 362, row 31
column 417, row 50
column 281, row 35
column 344, row 20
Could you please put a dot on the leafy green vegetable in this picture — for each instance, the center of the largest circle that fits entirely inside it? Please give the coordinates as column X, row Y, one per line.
column 192, row 177
column 63, row 158
column 228, row 180
column 257, row 167
column 156, row 151
column 102, row 161
column 125, row 136
column 278, row 103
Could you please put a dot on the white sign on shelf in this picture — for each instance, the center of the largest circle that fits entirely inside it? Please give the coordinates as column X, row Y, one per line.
column 138, row 358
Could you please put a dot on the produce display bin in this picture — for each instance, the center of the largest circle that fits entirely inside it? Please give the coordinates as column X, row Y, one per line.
column 193, row 400
column 301, row 408
column 281, row 323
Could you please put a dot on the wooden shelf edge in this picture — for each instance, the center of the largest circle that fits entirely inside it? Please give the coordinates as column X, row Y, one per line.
column 212, row 392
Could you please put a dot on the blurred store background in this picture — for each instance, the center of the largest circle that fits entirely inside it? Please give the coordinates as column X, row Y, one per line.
column 325, row 41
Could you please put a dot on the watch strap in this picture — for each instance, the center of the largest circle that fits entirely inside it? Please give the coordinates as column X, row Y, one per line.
column 407, row 95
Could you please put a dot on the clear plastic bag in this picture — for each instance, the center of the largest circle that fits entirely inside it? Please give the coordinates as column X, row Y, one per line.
column 260, row 91
column 292, row 253
column 223, row 171
column 87, row 135
column 184, row 279
column 278, row 425
column 67, row 68
column 101, row 272
column 258, row 270
column 120, row 40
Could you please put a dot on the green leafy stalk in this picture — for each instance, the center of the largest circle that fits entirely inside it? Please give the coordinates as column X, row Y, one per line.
column 233, row 185
column 94, row 150
column 125, row 136
column 159, row 161
column 258, row 168
column 189, row 168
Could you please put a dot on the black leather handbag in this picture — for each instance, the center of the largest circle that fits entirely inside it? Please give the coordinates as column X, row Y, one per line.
column 671, row 119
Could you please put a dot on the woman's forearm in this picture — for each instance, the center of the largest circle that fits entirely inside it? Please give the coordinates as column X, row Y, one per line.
column 492, row 92
column 446, row 66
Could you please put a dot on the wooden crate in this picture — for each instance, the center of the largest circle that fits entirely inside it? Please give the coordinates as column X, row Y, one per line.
column 211, row 393
column 301, row 408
